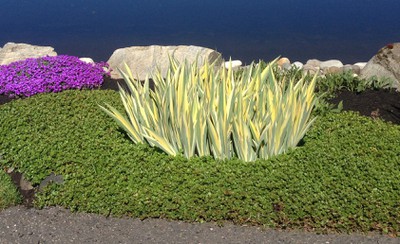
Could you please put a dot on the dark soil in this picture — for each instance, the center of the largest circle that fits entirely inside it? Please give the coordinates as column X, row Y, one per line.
column 383, row 104
column 27, row 193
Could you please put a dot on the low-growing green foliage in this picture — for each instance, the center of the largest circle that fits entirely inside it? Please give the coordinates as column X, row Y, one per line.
column 33, row 130
column 344, row 177
column 9, row 195
column 328, row 85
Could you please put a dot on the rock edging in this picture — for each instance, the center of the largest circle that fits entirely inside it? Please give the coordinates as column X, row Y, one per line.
column 142, row 60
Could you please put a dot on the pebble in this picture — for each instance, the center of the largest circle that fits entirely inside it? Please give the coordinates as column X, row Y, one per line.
column 286, row 66
column 298, row 64
column 282, row 61
column 331, row 63
column 235, row 64
column 332, row 66
column 356, row 69
column 87, row 60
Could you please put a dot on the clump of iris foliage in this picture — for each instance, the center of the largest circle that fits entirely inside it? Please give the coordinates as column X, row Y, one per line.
column 49, row 74
column 343, row 177
column 206, row 111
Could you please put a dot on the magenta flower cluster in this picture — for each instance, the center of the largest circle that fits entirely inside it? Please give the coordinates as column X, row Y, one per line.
column 49, row 74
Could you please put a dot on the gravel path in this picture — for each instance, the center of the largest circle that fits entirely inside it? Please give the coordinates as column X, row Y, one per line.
column 57, row 225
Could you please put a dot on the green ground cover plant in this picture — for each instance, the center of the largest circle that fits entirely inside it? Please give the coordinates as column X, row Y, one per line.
column 9, row 195
column 343, row 177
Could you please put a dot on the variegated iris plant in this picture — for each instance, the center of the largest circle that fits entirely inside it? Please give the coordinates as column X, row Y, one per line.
column 213, row 111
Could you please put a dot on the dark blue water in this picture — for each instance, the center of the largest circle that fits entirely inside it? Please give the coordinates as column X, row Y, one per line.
column 349, row 30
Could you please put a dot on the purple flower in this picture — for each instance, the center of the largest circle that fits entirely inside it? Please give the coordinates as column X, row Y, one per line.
column 49, row 74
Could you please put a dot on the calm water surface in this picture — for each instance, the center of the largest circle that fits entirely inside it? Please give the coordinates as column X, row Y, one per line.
column 349, row 30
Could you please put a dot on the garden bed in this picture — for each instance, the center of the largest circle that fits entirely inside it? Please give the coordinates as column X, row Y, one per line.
column 342, row 178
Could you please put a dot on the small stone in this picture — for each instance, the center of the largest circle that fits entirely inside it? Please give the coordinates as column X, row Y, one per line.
column 356, row 69
column 347, row 67
column 283, row 61
column 313, row 62
column 24, row 184
column 52, row 178
column 286, row 66
column 235, row 64
column 87, row 60
column 10, row 170
column 298, row 64
column 333, row 70
column 310, row 69
column 331, row 63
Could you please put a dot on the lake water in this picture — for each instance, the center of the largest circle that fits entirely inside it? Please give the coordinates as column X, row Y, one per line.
column 348, row 30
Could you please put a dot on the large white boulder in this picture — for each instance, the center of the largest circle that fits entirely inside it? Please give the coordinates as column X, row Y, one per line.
column 385, row 64
column 142, row 60
column 12, row 52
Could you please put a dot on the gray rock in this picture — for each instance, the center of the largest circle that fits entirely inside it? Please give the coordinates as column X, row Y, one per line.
column 331, row 63
column 333, row 70
column 12, row 52
column 356, row 69
column 347, row 67
column 310, row 69
column 361, row 64
column 52, row 178
column 286, row 66
column 313, row 62
column 142, row 60
column 25, row 184
column 385, row 64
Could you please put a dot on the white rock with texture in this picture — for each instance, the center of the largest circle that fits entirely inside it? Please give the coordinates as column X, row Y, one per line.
column 12, row 52
column 142, row 60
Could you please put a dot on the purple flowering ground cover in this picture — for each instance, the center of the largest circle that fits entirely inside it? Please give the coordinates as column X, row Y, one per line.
column 49, row 74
